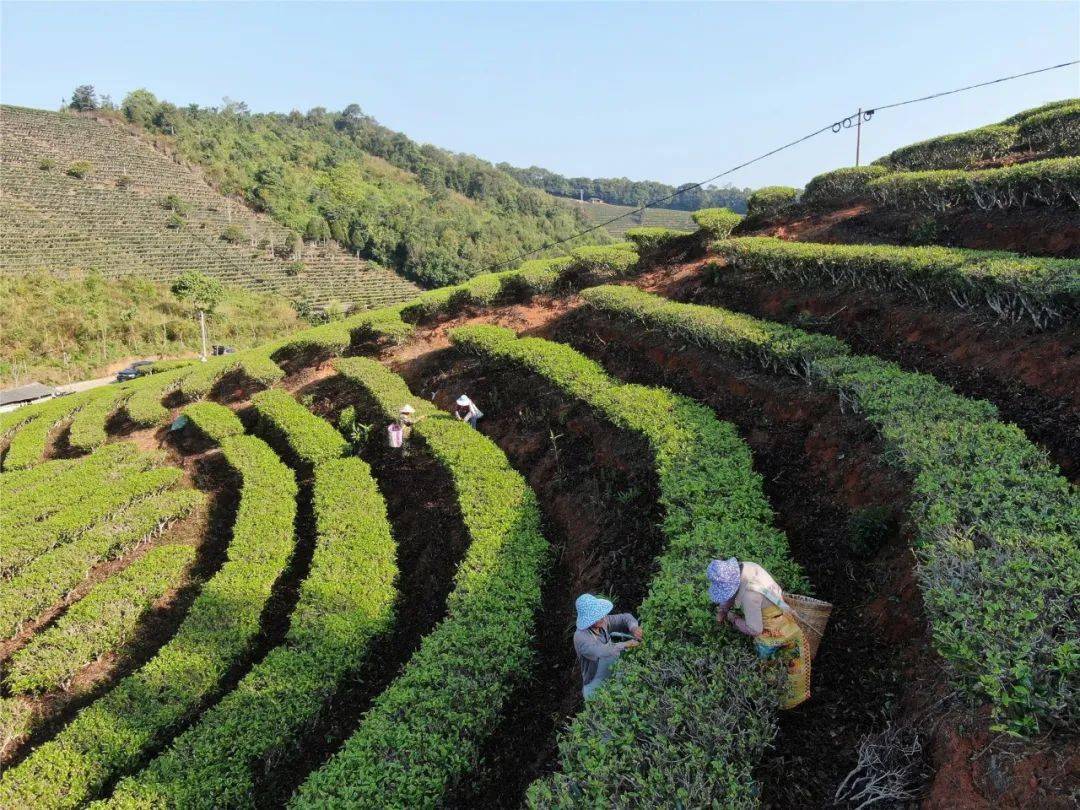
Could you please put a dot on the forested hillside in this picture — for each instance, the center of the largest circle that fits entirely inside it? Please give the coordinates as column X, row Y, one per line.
column 432, row 215
column 623, row 191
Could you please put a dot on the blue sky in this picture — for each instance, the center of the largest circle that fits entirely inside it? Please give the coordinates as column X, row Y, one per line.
column 667, row 91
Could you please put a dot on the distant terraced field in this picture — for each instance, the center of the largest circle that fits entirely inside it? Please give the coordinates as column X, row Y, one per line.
column 114, row 219
column 654, row 217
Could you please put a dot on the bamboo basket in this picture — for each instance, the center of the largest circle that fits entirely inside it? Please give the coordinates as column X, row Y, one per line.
column 811, row 615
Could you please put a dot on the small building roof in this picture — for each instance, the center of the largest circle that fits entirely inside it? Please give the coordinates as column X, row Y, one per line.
column 25, row 393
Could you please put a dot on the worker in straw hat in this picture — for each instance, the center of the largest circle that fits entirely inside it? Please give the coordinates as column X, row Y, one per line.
column 400, row 430
column 466, row 410
column 766, row 617
column 595, row 641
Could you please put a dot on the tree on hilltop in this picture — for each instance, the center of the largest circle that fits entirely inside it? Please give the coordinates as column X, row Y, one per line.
column 84, row 99
column 139, row 107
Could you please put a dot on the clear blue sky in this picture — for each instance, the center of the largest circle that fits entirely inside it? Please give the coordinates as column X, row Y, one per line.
column 666, row 91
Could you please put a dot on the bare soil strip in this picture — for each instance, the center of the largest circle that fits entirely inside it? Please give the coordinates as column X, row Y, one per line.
column 598, row 495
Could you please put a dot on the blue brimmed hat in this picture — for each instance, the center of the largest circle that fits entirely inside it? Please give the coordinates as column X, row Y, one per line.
column 591, row 609
column 723, row 579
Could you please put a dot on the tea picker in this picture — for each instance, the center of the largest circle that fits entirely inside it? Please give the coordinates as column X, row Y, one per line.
column 597, row 641
column 466, row 411
column 785, row 627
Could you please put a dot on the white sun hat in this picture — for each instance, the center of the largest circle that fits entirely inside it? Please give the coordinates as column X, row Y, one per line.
column 407, row 408
column 464, row 401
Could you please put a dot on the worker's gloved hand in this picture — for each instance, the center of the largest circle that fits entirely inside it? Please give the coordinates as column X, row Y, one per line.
column 629, row 645
column 636, row 633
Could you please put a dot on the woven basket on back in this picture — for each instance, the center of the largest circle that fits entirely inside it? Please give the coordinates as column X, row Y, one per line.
column 812, row 615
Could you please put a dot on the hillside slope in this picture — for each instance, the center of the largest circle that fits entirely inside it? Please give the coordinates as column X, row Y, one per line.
column 115, row 219
column 600, row 213
column 435, row 216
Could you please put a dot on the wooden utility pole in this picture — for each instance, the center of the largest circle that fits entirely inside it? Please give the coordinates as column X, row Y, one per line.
column 858, row 134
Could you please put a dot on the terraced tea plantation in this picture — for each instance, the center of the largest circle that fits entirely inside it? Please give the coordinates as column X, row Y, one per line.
column 223, row 586
column 599, row 213
column 79, row 194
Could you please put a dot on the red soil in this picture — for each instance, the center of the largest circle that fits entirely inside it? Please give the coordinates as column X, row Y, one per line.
column 1034, row 231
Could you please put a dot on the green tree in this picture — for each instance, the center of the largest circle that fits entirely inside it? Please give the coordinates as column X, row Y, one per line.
column 202, row 293
column 84, row 99
column 139, row 107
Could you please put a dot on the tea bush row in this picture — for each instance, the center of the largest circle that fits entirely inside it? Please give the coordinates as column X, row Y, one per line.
column 214, row 421
column 346, row 600
column 688, row 713
column 1043, row 291
column 50, row 577
column 423, row 732
column 99, row 502
column 103, row 621
column 31, row 433
column 770, row 201
column 112, row 735
column 1054, row 182
column 296, row 433
column 717, row 222
column 841, row 186
column 995, row 524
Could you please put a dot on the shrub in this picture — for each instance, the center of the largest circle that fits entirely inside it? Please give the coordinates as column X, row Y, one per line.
column 1040, row 290
column 961, row 150
column 174, row 221
column 80, row 169
column 770, row 201
column 123, row 182
column 46, row 164
column 652, row 239
column 424, row 731
column 1055, row 132
column 171, row 202
column 1054, row 182
column 234, row 234
column 842, row 185
column 678, row 690
column 299, row 435
column 990, row 514
column 103, row 621
column 718, row 223
column 317, row 230
column 346, row 600
column 113, row 734
column 294, row 269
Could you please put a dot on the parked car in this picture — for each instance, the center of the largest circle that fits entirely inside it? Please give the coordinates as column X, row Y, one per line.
column 217, row 350
column 132, row 371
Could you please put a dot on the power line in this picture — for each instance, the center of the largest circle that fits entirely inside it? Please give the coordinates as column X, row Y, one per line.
column 835, row 126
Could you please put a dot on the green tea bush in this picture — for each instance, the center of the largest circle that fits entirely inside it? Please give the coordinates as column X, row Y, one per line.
column 47, row 164
column 254, row 364
column 1055, row 132
column 144, row 406
column 47, row 579
column 1022, row 116
column 32, row 426
column 688, row 713
column 112, row 735
column 1043, row 291
column 102, row 622
column 214, row 421
column 234, row 234
column 718, row 223
column 98, row 504
column 88, row 425
column 346, row 600
column 960, row 150
column 995, row 524
column 604, row 260
column 770, row 201
column 652, row 239
column 423, row 732
column 301, row 437
column 841, row 186
column 1054, row 182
